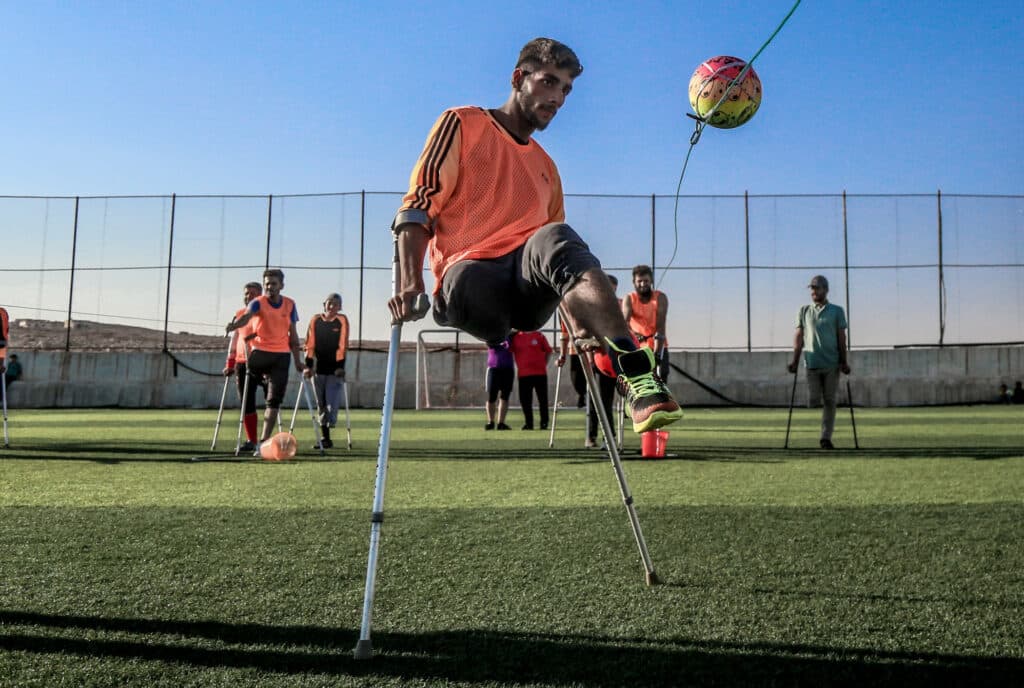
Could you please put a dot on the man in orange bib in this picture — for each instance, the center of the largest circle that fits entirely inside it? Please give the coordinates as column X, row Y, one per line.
column 485, row 200
column 236, row 365
column 273, row 317
column 646, row 310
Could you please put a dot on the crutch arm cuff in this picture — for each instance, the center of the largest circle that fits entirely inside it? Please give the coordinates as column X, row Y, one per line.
column 411, row 216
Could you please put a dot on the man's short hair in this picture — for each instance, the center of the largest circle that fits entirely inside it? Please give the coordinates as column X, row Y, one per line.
column 642, row 270
column 274, row 272
column 548, row 51
column 254, row 285
column 819, row 281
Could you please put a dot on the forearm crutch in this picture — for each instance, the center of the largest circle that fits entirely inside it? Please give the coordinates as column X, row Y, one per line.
column 613, row 453
column 241, row 413
column 364, row 646
column 348, row 420
column 313, row 404
column 223, row 397
column 554, row 409
column 245, row 393
column 853, row 421
column 3, row 388
column 792, row 399
column 620, row 412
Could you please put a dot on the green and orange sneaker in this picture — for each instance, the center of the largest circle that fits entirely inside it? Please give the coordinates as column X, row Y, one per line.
column 650, row 402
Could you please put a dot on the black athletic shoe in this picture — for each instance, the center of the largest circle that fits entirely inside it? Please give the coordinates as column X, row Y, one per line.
column 246, row 446
column 327, row 444
column 489, row 426
column 502, row 426
column 650, row 403
column 826, row 444
column 527, row 427
column 543, row 426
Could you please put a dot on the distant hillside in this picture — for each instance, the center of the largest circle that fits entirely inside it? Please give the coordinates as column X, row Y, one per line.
column 28, row 335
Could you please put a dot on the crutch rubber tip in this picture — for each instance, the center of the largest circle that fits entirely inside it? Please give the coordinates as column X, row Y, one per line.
column 652, row 578
column 364, row 650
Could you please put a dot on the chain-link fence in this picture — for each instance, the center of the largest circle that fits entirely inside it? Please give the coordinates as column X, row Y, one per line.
column 923, row 269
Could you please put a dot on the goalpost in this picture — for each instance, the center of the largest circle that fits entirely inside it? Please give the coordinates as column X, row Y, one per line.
column 439, row 361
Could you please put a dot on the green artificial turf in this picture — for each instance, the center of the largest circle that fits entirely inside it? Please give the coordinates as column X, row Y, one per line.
column 506, row 563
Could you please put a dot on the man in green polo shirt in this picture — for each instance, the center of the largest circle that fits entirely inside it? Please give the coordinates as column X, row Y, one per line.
column 821, row 336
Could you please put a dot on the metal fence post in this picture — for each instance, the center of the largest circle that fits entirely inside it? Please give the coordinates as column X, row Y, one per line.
column 71, row 285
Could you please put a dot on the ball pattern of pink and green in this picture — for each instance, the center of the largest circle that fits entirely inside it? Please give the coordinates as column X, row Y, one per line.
column 709, row 83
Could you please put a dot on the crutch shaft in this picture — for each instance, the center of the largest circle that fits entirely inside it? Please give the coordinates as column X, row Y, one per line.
column 364, row 647
column 313, row 404
column 792, row 399
column 3, row 388
column 220, row 411
column 651, row 576
column 348, row 419
column 853, row 421
column 613, row 454
column 554, row 410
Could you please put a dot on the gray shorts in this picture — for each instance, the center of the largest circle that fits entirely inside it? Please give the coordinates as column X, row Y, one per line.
column 520, row 290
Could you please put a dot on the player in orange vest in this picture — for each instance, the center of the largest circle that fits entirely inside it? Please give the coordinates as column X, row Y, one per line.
column 485, row 200
column 646, row 310
column 236, row 365
column 326, row 348
column 273, row 317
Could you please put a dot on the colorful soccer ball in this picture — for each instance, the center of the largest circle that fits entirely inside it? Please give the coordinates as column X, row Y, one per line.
column 709, row 83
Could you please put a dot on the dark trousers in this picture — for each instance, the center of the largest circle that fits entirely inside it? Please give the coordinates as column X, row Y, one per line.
column 528, row 384
column 606, row 388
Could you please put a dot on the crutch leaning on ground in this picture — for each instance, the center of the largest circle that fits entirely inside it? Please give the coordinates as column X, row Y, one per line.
column 364, row 646
column 554, row 405
column 246, row 386
column 348, row 418
column 792, row 399
column 3, row 390
column 223, row 396
column 311, row 404
column 613, row 453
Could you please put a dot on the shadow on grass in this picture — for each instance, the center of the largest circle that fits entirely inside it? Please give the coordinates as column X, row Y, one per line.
column 487, row 656
column 114, row 453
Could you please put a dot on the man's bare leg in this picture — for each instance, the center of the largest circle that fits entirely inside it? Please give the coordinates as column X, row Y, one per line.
column 269, row 423
column 594, row 316
column 593, row 309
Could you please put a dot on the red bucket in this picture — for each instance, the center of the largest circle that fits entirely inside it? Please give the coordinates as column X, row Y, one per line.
column 653, row 443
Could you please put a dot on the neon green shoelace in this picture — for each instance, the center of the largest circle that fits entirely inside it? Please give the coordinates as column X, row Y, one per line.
column 642, row 385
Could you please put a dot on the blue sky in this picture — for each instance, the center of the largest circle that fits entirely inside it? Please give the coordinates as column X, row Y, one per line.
column 257, row 98
column 304, row 97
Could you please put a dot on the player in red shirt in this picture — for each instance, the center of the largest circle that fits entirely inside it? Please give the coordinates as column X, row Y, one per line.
column 532, row 351
column 486, row 201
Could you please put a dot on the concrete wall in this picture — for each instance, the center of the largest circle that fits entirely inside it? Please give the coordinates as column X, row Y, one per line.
column 887, row 377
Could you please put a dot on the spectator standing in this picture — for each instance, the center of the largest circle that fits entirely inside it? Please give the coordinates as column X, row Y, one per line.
column 501, row 373
column 532, row 351
column 821, row 337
